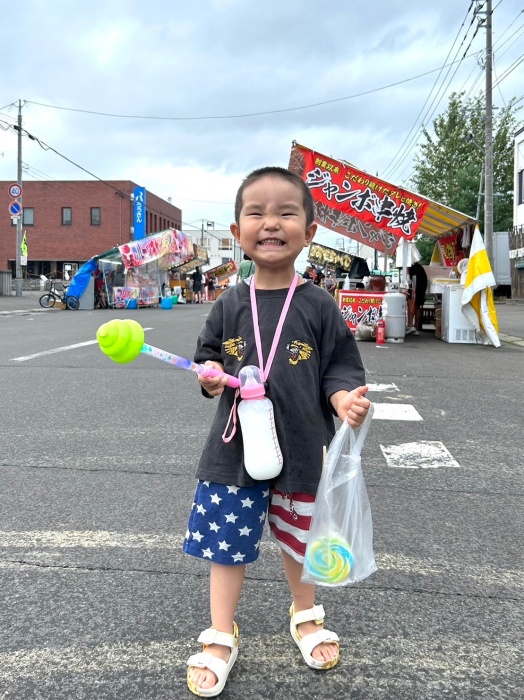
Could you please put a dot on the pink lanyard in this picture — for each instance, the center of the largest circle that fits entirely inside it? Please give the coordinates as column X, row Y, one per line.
column 265, row 372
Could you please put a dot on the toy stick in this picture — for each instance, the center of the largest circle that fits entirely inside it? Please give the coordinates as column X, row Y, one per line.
column 123, row 341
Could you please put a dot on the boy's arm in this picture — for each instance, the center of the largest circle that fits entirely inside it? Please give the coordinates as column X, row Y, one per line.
column 352, row 406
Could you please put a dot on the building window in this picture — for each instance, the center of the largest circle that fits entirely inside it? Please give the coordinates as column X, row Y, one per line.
column 67, row 216
column 520, row 182
column 28, row 217
column 226, row 243
column 96, row 216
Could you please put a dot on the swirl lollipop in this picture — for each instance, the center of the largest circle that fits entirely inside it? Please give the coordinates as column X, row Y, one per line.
column 123, row 341
column 329, row 559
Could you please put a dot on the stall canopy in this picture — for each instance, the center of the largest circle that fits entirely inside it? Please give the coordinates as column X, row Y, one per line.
column 369, row 210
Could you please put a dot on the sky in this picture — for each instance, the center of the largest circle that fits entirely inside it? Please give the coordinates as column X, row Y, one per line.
column 203, row 92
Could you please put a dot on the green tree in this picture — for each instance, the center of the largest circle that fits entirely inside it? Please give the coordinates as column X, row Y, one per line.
column 449, row 163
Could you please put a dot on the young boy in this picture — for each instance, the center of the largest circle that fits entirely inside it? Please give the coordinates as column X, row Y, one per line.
column 316, row 372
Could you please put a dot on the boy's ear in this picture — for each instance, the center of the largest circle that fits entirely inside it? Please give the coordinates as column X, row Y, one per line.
column 310, row 234
column 235, row 230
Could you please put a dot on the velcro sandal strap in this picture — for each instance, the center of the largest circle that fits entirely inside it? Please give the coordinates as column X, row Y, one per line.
column 310, row 641
column 206, row 660
column 213, row 636
column 315, row 613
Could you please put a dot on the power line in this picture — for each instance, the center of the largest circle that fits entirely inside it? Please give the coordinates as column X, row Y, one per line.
column 252, row 114
column 46, row 147
column 403, row 154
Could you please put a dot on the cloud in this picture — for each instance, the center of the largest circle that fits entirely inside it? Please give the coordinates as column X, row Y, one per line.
column 221, row 58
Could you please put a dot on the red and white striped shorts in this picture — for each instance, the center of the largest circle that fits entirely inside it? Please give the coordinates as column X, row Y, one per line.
column 289, row 521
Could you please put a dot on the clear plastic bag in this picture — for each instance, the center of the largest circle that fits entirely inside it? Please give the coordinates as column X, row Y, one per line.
column 339, row 551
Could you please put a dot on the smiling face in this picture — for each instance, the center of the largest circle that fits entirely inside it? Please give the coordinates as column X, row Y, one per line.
column 272, row 227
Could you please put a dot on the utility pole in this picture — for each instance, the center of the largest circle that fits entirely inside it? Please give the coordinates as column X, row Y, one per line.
column 488, row 178
column 20, row 220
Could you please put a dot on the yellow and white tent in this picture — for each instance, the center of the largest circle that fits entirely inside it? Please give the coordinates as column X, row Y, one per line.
column 477, row 298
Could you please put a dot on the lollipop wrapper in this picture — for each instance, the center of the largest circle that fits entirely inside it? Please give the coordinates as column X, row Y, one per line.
column 339, row 548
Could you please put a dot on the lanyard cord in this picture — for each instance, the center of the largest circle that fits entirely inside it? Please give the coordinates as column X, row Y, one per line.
column 265, row 371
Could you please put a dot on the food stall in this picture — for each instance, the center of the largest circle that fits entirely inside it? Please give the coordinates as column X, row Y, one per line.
column 378, row 214
column 222, row 274
column 131, row 273
column 180, row 272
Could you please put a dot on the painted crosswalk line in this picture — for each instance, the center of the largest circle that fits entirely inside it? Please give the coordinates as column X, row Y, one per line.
column 382, row 387
column 399, row 411
column 419, row 455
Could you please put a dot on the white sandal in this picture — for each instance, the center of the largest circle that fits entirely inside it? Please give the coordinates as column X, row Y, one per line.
column 219, row 667
column 308, row 642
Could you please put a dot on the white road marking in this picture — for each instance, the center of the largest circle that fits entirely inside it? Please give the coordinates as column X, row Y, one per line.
column 64, row 348
column 399, row 411
column 42, row 542
column 89, row 539
column 418, row 455
column 382, row 387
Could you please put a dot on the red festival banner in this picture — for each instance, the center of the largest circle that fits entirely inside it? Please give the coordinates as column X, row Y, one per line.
column 358, row 205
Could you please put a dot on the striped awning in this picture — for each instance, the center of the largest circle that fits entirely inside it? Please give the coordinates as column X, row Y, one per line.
column 440, row 220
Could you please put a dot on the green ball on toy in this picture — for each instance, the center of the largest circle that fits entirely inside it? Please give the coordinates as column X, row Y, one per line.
column 121, row 340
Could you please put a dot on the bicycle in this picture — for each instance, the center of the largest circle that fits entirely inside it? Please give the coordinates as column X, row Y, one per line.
column 47, row 301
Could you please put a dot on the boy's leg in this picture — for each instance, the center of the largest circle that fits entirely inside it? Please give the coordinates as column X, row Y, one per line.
column 303, row 599
column 225, row 588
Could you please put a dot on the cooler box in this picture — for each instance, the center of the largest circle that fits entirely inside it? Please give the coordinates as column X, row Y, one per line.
column 455, row 326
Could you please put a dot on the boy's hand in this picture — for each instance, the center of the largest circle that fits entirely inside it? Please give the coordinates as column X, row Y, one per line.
column 351, row 405
column 213, row 385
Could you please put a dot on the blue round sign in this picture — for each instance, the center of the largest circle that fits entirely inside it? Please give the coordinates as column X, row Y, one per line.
column 15, row 208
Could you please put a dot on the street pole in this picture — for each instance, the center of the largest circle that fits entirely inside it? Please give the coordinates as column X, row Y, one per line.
column 20, row 220
column 479, row 199
column 488, row 187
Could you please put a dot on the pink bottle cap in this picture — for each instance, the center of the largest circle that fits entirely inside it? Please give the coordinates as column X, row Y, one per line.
column 251, row 385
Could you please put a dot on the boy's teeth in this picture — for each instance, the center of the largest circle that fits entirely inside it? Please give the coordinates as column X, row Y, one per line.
column 274, row 241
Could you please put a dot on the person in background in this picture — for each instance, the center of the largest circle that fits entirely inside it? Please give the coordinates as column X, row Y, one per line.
column 197, row 286
column 319, row 276
column 245, row 269
column 419, row 284
column 308, row 273
column 211, row 288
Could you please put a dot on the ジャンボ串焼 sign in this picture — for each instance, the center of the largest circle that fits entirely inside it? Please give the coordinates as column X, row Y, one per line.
column 358, row 205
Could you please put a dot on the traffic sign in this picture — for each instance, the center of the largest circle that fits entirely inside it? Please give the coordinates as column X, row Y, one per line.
column 15, row 208
column 15, row 190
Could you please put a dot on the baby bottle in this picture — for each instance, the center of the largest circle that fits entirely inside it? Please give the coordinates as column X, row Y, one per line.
column 262, row 455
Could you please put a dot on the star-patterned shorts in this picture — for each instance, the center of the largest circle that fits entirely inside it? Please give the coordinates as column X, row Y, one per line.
column 226, row 522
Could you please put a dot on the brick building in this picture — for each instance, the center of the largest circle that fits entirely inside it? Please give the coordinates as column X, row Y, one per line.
column 68, row 222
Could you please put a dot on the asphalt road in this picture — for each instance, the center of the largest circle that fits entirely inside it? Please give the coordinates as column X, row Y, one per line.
column 96, row 472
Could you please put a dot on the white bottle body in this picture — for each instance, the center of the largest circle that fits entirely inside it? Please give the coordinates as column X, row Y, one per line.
column 262, row 456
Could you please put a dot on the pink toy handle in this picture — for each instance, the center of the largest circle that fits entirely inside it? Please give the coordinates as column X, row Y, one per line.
column 212, row 372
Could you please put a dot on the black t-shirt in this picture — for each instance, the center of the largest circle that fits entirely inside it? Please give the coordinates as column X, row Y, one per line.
column 316, row 356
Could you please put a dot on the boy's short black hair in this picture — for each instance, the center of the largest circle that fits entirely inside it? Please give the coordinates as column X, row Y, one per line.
column 286, row 174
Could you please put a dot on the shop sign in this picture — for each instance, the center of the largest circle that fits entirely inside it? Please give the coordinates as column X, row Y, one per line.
column 448, row 251
column 357, row 204
column 222, row 272
column 357, row 308
column 322, row 255
column 139, row 213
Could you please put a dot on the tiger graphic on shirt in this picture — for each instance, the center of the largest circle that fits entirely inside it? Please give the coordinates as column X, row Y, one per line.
column 298, row 350
column 235, row 347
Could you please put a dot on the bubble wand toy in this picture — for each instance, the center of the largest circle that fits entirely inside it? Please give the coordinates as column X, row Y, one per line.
column 123, row 342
